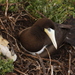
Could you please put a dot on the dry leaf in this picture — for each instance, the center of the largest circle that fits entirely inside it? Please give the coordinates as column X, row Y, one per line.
column 3, row 41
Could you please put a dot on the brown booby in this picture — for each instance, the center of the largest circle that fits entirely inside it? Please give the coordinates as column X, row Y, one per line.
column 42, row 34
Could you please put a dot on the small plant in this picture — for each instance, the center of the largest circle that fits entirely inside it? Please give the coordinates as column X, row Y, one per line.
column 57, row 10
column 12, row 7
column 6, row 65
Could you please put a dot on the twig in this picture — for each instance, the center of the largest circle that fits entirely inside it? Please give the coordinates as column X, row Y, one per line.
column 51, row 67
column 10, row 4
column 14, row 40
column 30, row 15
column 49, row 56
column 43, row 67
column 19, row 71
column 41, row 14
column 69, row 70
column 6, row 10
column 12, row 20
column 3, row 25
column 45, row 59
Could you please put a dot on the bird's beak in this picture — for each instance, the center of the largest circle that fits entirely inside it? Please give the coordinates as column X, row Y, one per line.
column 51, row 33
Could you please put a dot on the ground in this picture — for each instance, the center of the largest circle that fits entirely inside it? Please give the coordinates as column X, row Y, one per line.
column 61, row 63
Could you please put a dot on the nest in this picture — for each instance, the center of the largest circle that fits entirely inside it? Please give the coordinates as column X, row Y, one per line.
column 61, row 63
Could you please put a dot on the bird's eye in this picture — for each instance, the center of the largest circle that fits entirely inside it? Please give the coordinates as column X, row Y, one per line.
column 49, row 29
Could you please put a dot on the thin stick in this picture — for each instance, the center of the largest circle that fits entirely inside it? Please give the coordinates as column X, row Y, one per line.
column 14, row 40
column 30, row 15
column 41, row 14
column 41, row 62
column 19, row 71
column 56, row 61
column 69, row 70
column 6, row 10
column 51, row 67
column 3, row 25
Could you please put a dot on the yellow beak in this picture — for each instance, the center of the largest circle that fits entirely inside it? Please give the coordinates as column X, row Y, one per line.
column 51, row 34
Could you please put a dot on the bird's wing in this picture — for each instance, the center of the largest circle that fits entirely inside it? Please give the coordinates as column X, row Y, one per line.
column 70, row 38
column 69, row 24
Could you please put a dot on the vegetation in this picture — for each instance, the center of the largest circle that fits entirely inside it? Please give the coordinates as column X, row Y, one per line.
column 57, row 10
column 6, row 66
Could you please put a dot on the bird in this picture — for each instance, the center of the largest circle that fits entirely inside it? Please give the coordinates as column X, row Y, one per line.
column 70, row 38
column 44, row 33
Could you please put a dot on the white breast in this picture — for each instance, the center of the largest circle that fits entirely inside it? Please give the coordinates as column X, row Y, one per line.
column 38, row 52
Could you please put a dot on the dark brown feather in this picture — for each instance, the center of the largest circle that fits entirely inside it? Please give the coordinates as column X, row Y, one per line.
column 70, row 38
column 34, row 38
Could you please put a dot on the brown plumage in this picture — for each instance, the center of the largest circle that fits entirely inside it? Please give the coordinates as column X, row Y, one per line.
column 70, row 38
column 34, row 38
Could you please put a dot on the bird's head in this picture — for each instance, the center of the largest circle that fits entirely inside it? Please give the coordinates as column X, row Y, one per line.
column 48, row 27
